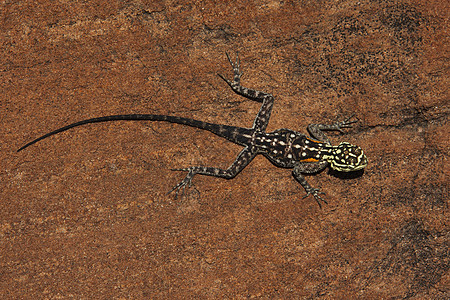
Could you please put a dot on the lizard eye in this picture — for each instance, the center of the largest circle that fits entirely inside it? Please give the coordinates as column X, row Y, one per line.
column 348, row 157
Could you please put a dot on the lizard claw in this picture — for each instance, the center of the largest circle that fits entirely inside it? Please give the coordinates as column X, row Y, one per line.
column 187, row 181
column 224, row 79
column 236, row 68
column 315, row 193
column 235, row 64
column 345, row 124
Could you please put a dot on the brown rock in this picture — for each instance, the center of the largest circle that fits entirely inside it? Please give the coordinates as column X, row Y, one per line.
column 85, row 213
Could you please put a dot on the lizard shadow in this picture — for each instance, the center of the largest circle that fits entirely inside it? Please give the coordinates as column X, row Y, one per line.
column 345, row 175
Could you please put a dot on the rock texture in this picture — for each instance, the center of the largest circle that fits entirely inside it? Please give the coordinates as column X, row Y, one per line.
column 85, row 214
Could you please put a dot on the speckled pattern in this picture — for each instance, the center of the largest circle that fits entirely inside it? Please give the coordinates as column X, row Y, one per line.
column 85, row 215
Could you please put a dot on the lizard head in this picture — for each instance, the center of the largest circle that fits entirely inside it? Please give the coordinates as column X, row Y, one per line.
column 347, row 157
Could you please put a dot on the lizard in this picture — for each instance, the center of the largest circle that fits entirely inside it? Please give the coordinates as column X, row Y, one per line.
column 283, row 147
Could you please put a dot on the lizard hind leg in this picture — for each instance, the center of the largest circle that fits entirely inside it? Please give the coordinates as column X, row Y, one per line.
column 243, row 159
column 263, row 116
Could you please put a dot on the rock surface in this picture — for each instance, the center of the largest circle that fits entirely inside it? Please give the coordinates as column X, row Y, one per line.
column 85, row 213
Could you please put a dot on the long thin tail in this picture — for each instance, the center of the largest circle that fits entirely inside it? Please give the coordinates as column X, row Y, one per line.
column 231, row 133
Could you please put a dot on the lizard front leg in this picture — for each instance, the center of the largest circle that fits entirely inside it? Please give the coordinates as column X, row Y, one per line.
column 308, row 168
column 317, row 130
column 243, row 159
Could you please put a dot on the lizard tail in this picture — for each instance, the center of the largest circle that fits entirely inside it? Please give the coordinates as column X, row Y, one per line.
column 225, row 131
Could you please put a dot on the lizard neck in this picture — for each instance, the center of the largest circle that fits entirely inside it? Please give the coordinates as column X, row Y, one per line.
column 327, row 152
